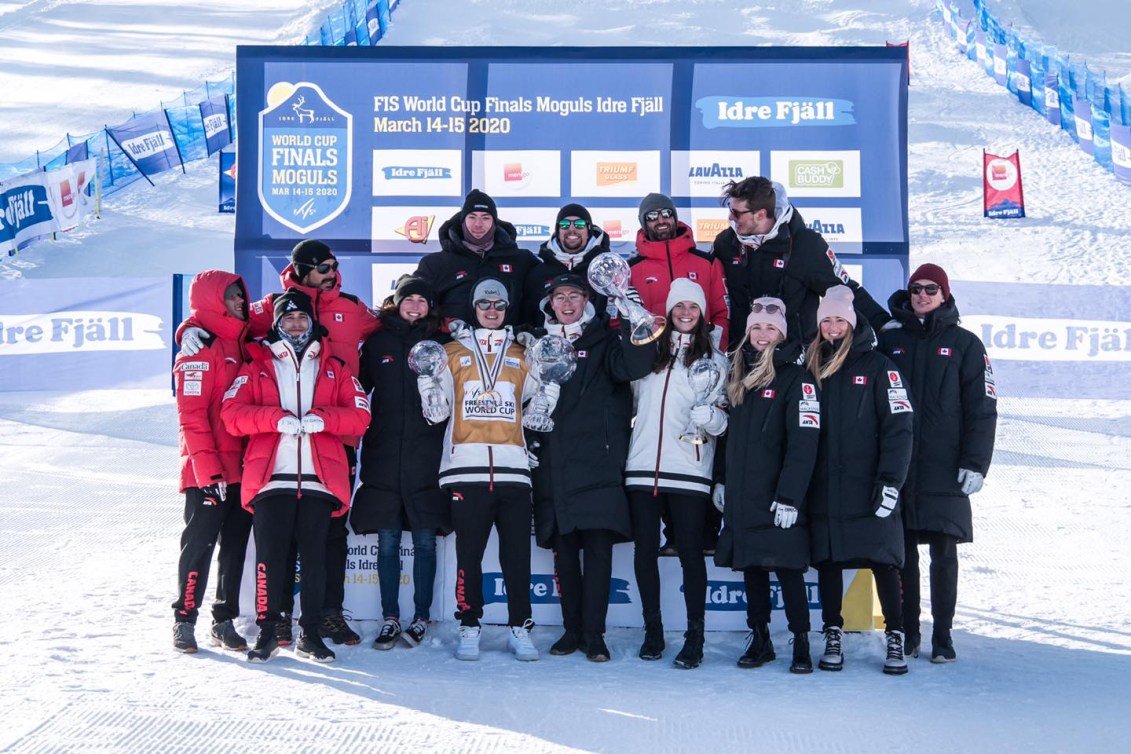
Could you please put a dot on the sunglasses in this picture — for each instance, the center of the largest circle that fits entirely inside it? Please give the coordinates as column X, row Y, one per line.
column 656, row 214
column 578, row 223
column 930, row 289
column 496, row 305
column 768, row 308
column 739, row 212
column 326, row 267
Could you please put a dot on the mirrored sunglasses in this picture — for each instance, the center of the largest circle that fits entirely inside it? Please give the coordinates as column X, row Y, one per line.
column 656, row 214
column 484, row 305
column 578, row 223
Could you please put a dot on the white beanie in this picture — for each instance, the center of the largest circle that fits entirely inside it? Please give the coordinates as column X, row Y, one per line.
column 837, row 302
column 684, row 289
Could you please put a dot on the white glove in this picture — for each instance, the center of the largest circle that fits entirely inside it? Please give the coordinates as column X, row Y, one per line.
column 785, row 516
column 525, row 339
column 438, row 412
column 531, row 459
column 553, row 391
column 718, row 496
column 633, row 295
column 289, row 425
column 702, row 415
column 891, row 324
column 971, row 481
column 215, row 492
column 192, row 340
column 312, row 424
column 886, row 501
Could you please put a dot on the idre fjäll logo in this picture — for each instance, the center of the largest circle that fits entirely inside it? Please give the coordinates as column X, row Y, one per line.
column 306, row 156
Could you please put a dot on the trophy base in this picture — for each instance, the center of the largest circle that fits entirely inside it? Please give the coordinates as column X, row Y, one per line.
column 648, row 331
column 693, row 439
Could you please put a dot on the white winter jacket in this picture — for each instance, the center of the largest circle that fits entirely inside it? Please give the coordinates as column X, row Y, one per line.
column 658, row 461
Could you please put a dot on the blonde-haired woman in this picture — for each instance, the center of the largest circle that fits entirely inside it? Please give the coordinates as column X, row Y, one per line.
column 772, row 439
column 862, row 462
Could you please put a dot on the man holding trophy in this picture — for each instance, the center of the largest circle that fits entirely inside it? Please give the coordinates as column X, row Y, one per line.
column 579, row 499
column 478, row 383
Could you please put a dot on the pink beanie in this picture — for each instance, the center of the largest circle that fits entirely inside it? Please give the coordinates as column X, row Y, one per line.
column 765, row 316
column 837, row 302
column 684, row 289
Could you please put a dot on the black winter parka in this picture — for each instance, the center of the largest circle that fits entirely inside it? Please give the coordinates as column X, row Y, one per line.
column 540, row 275
column 866, row 417
column 952, row 387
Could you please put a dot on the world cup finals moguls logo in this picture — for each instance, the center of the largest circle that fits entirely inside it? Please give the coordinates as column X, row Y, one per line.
column 306, row 156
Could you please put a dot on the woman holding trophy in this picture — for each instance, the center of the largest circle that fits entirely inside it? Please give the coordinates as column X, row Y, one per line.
column 481, row 381
column 678, row 409
column 579, row 499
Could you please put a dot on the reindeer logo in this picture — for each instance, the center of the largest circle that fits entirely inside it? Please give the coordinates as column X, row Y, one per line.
column 303, row 112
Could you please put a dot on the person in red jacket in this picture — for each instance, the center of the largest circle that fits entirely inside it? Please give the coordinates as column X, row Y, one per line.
column 211, row 463
column 295, row 401
column 348, row 322
column 665, row 250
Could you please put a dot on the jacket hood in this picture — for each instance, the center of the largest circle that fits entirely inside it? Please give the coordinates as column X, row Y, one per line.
column 899, row 304
column 678, row 245
column 206, row 300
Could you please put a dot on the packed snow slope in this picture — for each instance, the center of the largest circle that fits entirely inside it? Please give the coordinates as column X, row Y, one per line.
column 91, row 519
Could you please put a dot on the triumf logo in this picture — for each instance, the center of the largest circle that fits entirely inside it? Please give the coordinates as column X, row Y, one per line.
column 706, row 228
column 616, row 173
column 816, row 174
column 417, row 228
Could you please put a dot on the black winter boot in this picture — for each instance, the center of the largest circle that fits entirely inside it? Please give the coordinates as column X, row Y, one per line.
column 759, row 648
column 568, row 644
column 653, row 646
column 802, row 662
column 692, row 653
column 265, row 646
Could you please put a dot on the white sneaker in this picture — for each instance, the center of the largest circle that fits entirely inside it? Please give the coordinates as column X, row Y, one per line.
column 468, row 647
column 519, row 642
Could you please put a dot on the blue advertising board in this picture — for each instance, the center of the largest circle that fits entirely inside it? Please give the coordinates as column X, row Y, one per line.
column 371, row 149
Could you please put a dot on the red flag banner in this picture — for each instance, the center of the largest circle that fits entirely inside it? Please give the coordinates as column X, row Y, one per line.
column 1002, row 196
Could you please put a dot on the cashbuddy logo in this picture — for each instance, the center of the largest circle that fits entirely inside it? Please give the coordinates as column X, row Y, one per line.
column 827, row 174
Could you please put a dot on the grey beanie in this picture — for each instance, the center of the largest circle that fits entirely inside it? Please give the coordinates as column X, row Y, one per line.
column 654, row 202
column 490, row 288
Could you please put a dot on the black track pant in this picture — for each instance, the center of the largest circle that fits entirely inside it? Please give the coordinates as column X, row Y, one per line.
column 830, row 585
column 793, row 594
column 279, row 519
column 687, row 527
column 475, row 509
column 207, row 524
column 584, row 595
column 943, row 550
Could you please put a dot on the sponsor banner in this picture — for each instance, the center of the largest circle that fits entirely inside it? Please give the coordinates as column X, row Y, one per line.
column 148, row 143
column 824, row 174
column 725, row 600
column 518, row 173
column 363, row 587
column 227, row 181
column 621, row 224
column 84, row 334
column 1121, row 152
column 217, row 130
column 534, row 225
column 384, row 277
column 409, row 229
column 71, row 191
column 306, row 157
column 841, row 226
column 417, row 172
column 705, row 173
column 25, row 211
column 1058, row 341
column 1052, row 97
column 1082, row 112
column 1000, row 72
column 1022, row 83
column 706, row 222
column 627, row 174
column 1002, row 196
column 538, row 127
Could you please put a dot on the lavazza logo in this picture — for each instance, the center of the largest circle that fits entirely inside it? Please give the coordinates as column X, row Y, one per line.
column 828, row 174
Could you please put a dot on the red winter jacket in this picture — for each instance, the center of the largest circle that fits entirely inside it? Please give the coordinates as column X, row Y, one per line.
column 252, row 407
column 209, row 453
column 658, row 263
column 348, row 321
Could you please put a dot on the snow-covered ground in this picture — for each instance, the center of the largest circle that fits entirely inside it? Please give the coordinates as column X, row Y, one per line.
column 90, row 520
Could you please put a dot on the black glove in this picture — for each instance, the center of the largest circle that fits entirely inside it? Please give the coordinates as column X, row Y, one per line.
column 215, row 493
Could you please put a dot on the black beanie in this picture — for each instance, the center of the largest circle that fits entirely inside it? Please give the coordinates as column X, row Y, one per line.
column 293, row 300
column 573, row 210
column 477, row 201
column 410, row 285
column 310, row 253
